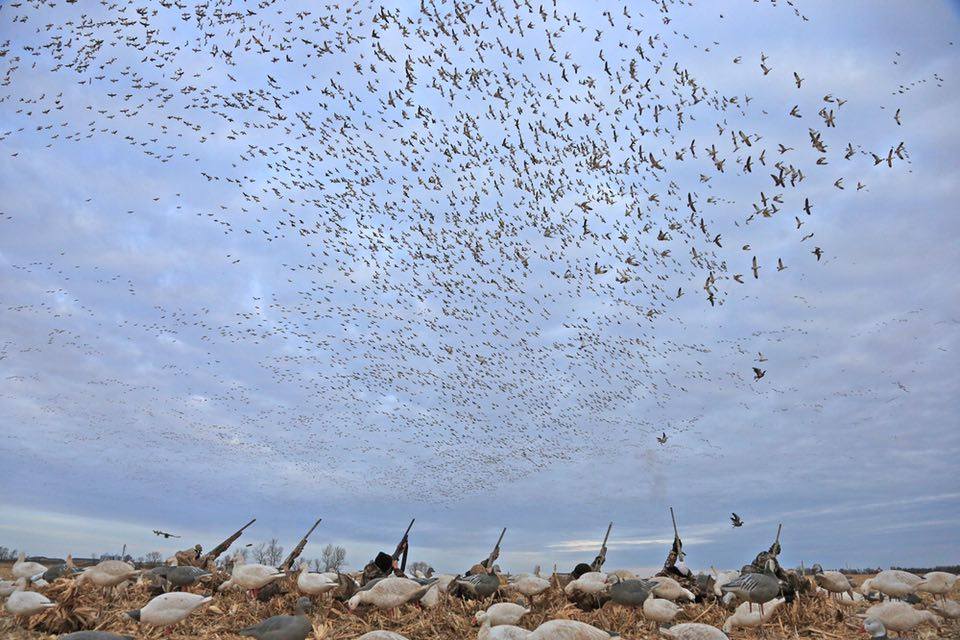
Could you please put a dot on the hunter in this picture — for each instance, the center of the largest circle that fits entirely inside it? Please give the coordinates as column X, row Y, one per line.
column 382, row 566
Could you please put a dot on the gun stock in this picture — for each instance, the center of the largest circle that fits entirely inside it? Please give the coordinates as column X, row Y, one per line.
column 214, row 553
column 299, row 548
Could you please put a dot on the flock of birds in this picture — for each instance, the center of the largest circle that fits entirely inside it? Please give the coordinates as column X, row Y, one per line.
column 479, row 216
column 758, row 595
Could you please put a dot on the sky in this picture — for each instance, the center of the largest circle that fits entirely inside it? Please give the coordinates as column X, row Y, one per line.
column 161, row 369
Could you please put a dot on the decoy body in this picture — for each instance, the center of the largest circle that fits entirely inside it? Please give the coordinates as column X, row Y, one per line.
column 295, row 627
column 168, row 609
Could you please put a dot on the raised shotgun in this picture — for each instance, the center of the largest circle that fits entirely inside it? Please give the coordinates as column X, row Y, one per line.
column 495, row 552
column 403, row 545
column 297, row 550
column 602, row 556
column 214, row 553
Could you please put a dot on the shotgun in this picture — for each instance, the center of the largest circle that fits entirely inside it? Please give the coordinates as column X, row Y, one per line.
column 496, row 552
column 403, row 545
column 297, row 550
column 214, row 553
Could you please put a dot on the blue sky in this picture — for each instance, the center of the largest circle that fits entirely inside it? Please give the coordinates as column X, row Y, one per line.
column 160, row 368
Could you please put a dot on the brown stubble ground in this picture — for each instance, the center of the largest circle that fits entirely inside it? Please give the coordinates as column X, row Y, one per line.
column 87, row 607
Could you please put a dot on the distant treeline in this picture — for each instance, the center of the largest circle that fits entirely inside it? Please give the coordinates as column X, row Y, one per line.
column 953, row 568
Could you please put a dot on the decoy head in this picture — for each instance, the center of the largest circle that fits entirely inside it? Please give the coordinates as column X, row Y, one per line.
column 875, row 629
column 579, row 570
column 304, row 606
column 133, row 615
column 816, row 569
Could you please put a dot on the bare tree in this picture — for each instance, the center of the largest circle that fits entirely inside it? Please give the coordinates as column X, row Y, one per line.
column 154, row 557
column 7, row 554
column 268, row 553
column 333, row 557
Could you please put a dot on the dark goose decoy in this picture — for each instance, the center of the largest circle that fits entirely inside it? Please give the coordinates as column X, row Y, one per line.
column 295, row 627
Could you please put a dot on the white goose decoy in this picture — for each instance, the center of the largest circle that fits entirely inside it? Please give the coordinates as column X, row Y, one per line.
column 568, row 630
column 9, row 586
column 670, row 589
column 23, row 569
column 937, row 583
column 659, row 611
column 27, row 603
column 623, row 574
column 168, row 609
column 389, row 593
column 501, row 632
column 900, row 616
column 591, row 582
column 108, row 573
column 382, row 635
column 721, row 578
column 529, row 585
column 693, row 631
column 501, row 613
column 315, row 584
column 832, row 581
column 744, row 617
column 252, row 577
column 894, row 583
column 947, row 608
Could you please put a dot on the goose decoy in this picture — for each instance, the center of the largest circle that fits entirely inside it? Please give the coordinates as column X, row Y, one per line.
column 479, row 586
column 315, row 584
column 389, row 593
column 670, row 589
column 60, row 570
column 832, row 581
column 894, row 583
column 295, row 627
column 168, row 609
column 693, row 631
column 659, row 611
column 721, row 578
column 93, row 635
column 743, row 616
column 25, row 569
column 382, row 635
column 900, row 616
column 501, row 632
column 947, row 608
column 591, row 582
column 24, row 604
column 185, row 575
column 251, row 577
column 108, row 573
column 631, row 593
column 875, row 629
column 9, row 586
column 501, row 613
column 569, row 630
column 937, row 583
column 754, row 588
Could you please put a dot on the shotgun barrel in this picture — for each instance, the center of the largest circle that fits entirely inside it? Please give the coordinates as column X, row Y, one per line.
column 495, row 552
column 299, row 548
column 214, row 553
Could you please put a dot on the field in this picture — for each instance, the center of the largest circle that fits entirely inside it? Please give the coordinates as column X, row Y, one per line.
column 814, row 617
